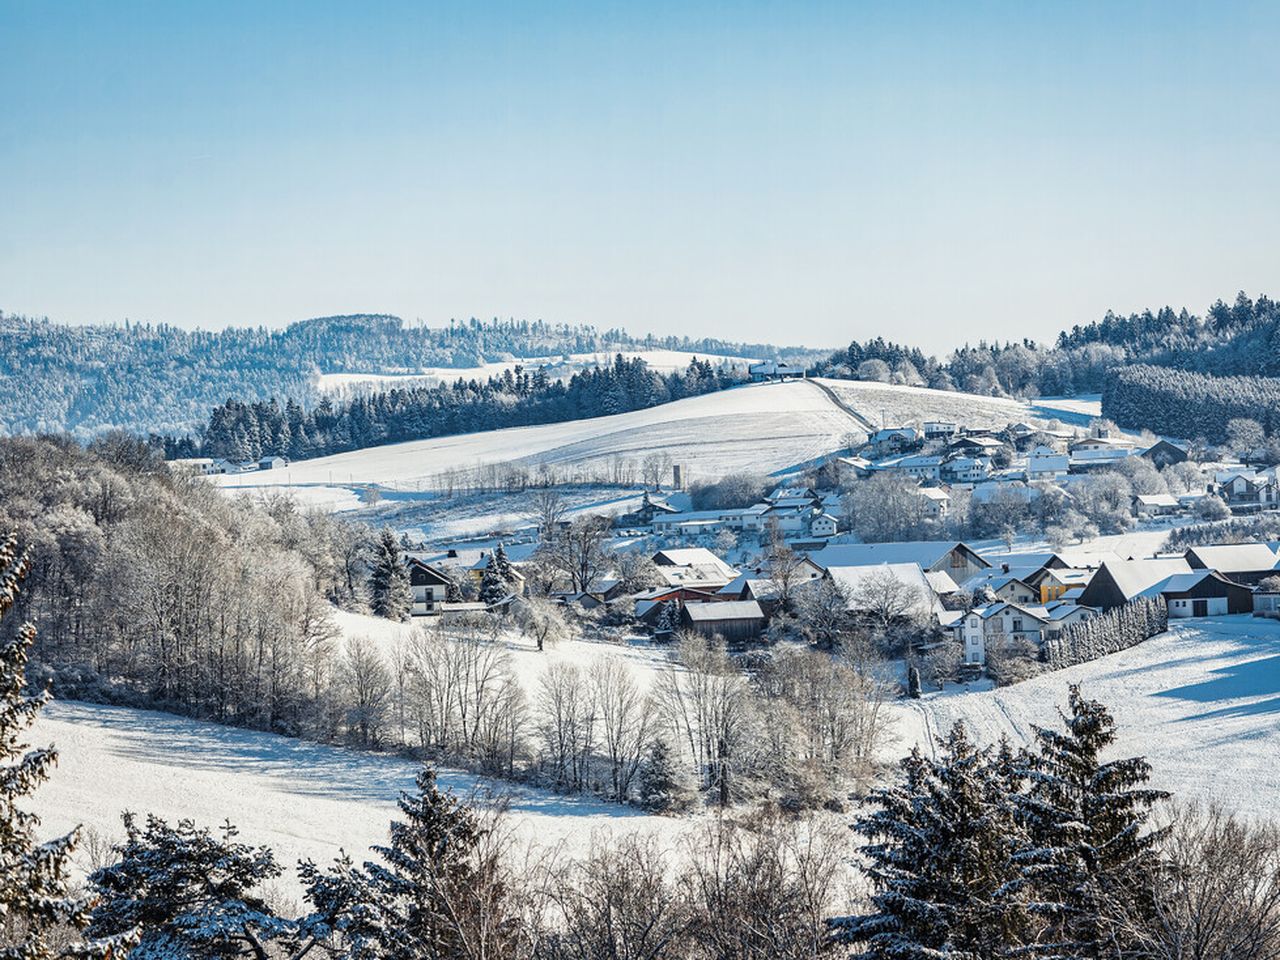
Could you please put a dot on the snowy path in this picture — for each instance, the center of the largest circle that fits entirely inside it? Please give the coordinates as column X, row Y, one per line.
column 1202, row 703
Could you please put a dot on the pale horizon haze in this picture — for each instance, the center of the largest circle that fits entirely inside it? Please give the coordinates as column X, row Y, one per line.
column 790, row 173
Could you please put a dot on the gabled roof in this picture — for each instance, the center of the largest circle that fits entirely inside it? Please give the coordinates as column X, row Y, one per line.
column 909, row 574
column 1177, row 583
column 694, row 556
column 998, row 579
column 1157, row 500
column 1134, row 576
column 1233, row 558
column 923, row 553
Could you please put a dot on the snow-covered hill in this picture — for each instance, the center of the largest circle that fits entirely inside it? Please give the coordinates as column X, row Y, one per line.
column 1201, row 702
column 769, row 427
column 763, row 427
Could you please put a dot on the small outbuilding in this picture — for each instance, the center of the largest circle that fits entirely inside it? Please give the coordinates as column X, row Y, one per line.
column 733, row 620
column 1201, row 593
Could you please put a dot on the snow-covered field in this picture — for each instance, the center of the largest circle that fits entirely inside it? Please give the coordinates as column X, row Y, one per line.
column 1201, row 702
column 759, row 428
column 663, row 361
column 301, row 799
column 893, row 405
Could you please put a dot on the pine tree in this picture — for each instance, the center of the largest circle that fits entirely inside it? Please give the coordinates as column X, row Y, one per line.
column 1086, row 825
column 392, row 596
column 189, row 892
column 664, row 785
column 667, row 622
column 499, row 563
column 440, row 892
column 940, row 860
column 492, row 587
column 34, row 899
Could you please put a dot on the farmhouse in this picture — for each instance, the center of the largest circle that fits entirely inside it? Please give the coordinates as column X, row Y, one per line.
column 272, row 463
column 1164, row 454
column 733, row 620
column 823, row 525
column 1156, row 505
column 1119, row 581
column 867, row 586
column 1201, row 593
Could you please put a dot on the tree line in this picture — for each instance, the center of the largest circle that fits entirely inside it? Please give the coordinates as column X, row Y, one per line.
column 241, row 431
column 1241, row 338
column 149, row 377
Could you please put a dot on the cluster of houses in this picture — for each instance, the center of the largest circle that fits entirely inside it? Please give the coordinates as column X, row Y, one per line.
column 792, row 511
column 978, row 599
column 211, row 466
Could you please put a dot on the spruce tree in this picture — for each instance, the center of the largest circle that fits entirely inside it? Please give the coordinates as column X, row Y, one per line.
column 940, row 852
column 1086, row 822
column 664, row 785
column 492, row 587
column 189, row 892
column 391, row 595
column 440, row 892
column 500, row 564
column 35, row 907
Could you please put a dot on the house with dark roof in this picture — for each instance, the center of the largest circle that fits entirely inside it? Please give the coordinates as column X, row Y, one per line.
column 1163, row 453
column 429, row 585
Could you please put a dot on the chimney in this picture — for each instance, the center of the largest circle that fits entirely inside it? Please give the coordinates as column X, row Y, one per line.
column 1004, row 568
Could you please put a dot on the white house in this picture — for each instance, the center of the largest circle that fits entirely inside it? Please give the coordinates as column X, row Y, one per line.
column 966, row 469
column 823, row 525
column 1045, row 463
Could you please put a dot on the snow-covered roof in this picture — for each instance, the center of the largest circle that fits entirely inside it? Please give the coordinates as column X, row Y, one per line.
column 910, row 574
column 941, row 582
column 924, row 553
column 1235, row 557
column 1132, row 577
column 694, row 556
column 1157, row 500
column 936, row 494
column 1176, row 583
column 724, row 610
column 997, row 578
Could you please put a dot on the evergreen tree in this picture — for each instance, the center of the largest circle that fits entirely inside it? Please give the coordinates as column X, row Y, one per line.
column 664, row 785
column 440, row 892
column 391, row 595
column 34, row 899
column 940, row 860
column 1086, row 822
column 500, row 564
column 492, row 587
column 189, row 892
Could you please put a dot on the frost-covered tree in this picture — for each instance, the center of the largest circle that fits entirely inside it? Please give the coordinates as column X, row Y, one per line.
column 1087, row 824
column 390, row 593
column 492, row 586
column 441, row 891
column 36, row 908
column 191, row 893
column 664, row 783
column 500, row 563
column 940, row 859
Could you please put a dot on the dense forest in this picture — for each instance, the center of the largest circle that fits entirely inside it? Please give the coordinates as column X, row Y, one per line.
column 246, row 431
column 1186, row 404
column 1238, row 339
column 159, row 378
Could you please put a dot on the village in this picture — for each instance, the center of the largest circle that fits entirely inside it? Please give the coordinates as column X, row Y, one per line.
column 765, row 570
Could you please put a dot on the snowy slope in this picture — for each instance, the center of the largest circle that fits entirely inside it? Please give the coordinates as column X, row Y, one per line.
column 762, row 427
column 302, row 799
column 893, row 405
column 1202, row 703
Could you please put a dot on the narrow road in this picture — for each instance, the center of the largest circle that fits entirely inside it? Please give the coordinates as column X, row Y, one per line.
column 839, row 402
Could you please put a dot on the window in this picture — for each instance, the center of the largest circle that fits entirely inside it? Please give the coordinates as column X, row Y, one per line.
column 1017, row 624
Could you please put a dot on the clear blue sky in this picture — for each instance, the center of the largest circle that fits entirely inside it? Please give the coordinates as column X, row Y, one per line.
column 785, row 172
